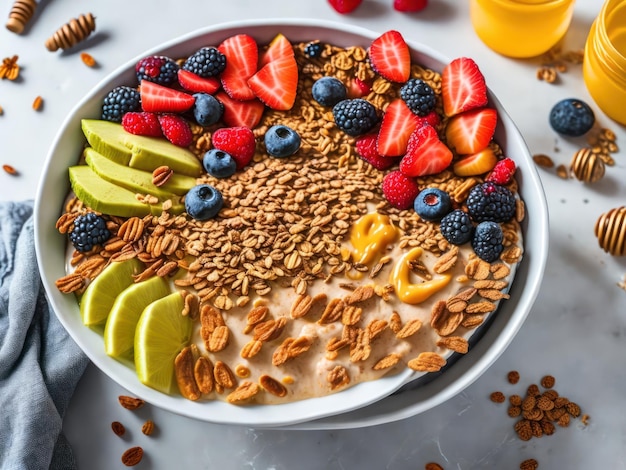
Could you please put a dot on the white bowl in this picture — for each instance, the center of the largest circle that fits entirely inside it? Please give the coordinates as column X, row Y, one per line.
column 50, row 247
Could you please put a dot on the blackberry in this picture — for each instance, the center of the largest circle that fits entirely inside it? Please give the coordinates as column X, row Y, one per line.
column 355, row 117
column 206, row 62
column 418, row 96
column 456, row 227
column 571, row 117
column 487, row 241
column 432, row 204
column 89, row 230
column 313, row 49
column 490, row 201
column 158, row 69
column 119, row 101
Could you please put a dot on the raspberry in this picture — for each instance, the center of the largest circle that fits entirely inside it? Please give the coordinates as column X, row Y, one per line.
column 142, row 123
column 368, row 151
column 344, row 6
column 502, row 173
column 176, row 129
column 409, row 5
column 400, row 190
column 158, row 69
column 239, row 142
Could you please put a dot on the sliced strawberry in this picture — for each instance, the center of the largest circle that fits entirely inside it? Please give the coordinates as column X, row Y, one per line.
column 463, row 86
column 242, row 56
column 431, row 118
column 397, row 125
column 240, row 113
column 425, row 154
column 157, row 98
column 367, row 149
column 197, row 84
column 357, row 88
column 471, row 131
column 176, row 129
column 476, row 164
column 276, row 83
column 278, row 48
column 390, row 57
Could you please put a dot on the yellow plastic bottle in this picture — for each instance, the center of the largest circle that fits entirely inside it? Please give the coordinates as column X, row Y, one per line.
column 521, row 28
column 604, row 65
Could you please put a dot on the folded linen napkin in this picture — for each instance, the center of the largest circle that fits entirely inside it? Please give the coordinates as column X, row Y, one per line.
column 40, row 364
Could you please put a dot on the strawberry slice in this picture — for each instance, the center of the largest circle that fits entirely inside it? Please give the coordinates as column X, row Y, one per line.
column 157, row 98
column 276, row 83
column 471, row 131
column 357, row 88
column 242, row 56
column 463, row 86
column 397, row 125
column 240, row 113
column 425, row 154
column 197, row 84
column 390, row 57
column 279, row 47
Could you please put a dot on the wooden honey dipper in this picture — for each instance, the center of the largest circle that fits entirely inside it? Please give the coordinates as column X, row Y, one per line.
column 71, row 32
column 587, row 166
column 611, row 231
column 21, row 12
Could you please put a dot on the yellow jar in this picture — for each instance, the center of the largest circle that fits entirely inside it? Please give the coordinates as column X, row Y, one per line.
column 604, row 66
column 521, row 28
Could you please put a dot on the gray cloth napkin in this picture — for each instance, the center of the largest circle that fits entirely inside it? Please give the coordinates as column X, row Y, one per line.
column 40, row 364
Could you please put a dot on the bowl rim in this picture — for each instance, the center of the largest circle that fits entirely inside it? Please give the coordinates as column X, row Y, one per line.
column 306, row 412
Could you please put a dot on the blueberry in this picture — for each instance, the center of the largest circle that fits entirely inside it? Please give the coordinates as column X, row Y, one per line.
column 432, row 204
column 572, row 117
column 203, row 202
column 281, row 141
column 328, row 91
column 207, row 109
column 219, row 164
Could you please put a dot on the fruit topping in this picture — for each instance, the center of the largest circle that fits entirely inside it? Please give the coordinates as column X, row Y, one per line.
column 328, row 91
column 502, row 172
column 240, row 113
column 344, row 6
column 426, row 154
column 471, row 131
column 206, row 62
column 142, row 123
column 431, row 204
column 409, row 5
column 195, row 83
column 431, row 119
column 399, row 189
column 390, row 57
column 571, row 117
column 89, row 230
column 119, row 101
column 207, row 109
column 161, row 99
column 237, row 141
column 418, row 96
column 367, row 149
column 313, row 49
column 242, row 56
column 397, row 125
column 158, row 69
column 176, row 129
column 276, row 83
column 219, row 164
column 357, row 88
column 278, row 48
column 355, row 117
column 463, row 86
column 281, row 141
column 476, row 164
column 203, row 202
column 487, row 241
column 490, row 201
column 456, row 227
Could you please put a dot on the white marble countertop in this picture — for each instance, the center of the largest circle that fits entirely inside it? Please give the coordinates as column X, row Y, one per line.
column 575, row 330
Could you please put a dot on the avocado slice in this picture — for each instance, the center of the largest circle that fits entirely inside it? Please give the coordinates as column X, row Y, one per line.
column 137, row 151
column 138, row 181
column 109, row 198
